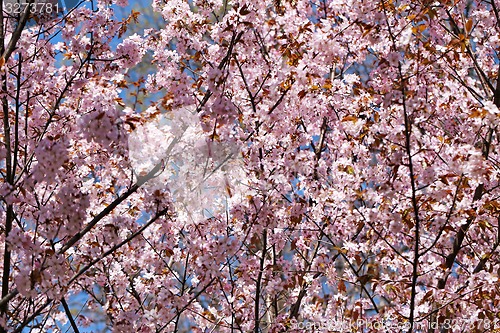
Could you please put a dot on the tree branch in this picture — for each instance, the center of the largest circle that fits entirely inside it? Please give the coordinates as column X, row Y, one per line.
column 69, row 315
column 259, row 281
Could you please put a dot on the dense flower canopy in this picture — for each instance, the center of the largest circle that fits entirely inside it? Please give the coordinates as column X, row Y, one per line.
column 302, row 164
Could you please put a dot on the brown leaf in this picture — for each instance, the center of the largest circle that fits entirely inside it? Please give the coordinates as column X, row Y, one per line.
column 350, row 118
column 468, row 26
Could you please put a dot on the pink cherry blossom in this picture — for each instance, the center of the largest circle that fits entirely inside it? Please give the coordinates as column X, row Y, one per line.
column 251, row 167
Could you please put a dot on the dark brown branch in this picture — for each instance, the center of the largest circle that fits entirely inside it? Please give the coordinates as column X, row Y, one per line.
column 247, row 88
column 6, row 261
column 478, row 194
column 278, row 102
column 91, row 264
column 448, row 216
column 340, row 253
column 32, row 317
column 482, row 262
column 17, row 33
column 141, row 180
column 70, row 316
column 295, row 308
column 259, row 281
column 414, row 201
column 320, row 148
column 152, row 174
column 10, row 170
column 235, row 39
column 187, row 304
column 117, row 246
column 495, row 10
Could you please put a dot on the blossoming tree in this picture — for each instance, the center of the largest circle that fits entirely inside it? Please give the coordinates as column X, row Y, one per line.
column 325, row 163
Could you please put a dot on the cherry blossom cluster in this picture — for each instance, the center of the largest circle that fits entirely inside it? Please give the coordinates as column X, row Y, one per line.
column 281, row 162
